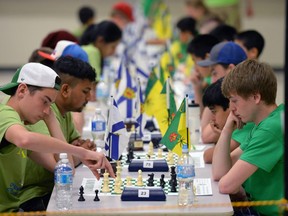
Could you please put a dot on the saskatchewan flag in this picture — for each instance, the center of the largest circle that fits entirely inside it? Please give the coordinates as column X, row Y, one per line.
column 177, row 133
column 163, row 117
column 162, row 22
column 153, row 101
column 168, row 63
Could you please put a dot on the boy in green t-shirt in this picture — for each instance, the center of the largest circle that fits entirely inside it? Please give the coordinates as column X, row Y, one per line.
column 219, row 107
column 33, row 88
column 251, row 88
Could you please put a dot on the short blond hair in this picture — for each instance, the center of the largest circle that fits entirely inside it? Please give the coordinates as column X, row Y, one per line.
column 250, row 77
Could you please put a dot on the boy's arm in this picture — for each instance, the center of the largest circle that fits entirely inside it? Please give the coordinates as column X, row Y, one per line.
column 208, row 153
column 55, row 131
column 87, row 144
column 231, row 178
column 46, row 160
column 21, row 137
column 221, row 162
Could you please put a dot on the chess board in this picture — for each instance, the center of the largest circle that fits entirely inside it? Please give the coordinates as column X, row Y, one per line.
column 202, row 185
column 90, row 185
column 197, row 156
column 144, row 156
column 167, row 187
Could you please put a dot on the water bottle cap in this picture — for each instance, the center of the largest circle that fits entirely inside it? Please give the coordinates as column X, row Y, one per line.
column 193, row 104
column 63, row 155
column 65, row 160
column 185, row 148
column 98, row 110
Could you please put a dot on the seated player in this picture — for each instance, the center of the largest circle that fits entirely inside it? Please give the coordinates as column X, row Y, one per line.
column 219, row 107
column 187, row 31
column 223, row 58
column 224, row 32
column 87, row 17
column 199, row 49
column 251, row 88
column 252, row 43
column 32, row 93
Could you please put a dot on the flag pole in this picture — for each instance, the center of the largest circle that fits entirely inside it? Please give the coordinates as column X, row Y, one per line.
column 109, row 126
column 137, row 105
column 168, row 98
column 187, row 121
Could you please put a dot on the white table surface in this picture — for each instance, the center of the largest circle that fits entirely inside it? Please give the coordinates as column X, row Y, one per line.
column 217, row 204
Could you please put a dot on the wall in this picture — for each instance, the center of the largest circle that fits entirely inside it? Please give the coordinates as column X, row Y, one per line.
column 25, row 23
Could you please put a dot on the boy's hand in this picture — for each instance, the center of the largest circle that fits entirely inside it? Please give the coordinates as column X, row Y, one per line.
column 97, row 160
column 87, row 144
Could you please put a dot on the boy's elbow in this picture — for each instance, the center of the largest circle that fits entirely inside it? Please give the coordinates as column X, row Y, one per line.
column 225, row 187
column 23, row 143
column 207, row 156
column 216, row 177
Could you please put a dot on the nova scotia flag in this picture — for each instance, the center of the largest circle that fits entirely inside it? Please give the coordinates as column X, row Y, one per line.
column 116, row 136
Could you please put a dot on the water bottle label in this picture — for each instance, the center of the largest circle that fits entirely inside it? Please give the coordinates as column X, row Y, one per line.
column 64, row 179
column 185, row 171
column 98, row 126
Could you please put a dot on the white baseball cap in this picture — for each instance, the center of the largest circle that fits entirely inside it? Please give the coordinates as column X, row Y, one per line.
column 34, row 74
column 66, row 48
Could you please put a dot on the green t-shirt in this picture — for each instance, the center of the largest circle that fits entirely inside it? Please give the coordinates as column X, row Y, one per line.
column 13, row 161
column 264, row 148
column 94, row 57
column 66, row 124
column 39, row 177
column 220, row 3
column 239, row 135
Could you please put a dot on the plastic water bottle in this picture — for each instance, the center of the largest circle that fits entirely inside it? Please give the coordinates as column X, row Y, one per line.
column 194, row 122
column 98, row 128
column 102, row 92
column 63, row 179
column 190, row 92
column 185, row 175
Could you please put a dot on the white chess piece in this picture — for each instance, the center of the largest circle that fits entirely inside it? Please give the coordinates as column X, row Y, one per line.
column 151, row 149
column 139, row 179
column 160, row 153
column 105, row 188
column 128, row 181
column 117, row 187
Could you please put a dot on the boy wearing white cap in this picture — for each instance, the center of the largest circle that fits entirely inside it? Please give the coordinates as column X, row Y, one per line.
column 33, row 88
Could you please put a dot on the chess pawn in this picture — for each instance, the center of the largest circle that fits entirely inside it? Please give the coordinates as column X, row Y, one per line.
column 128, row 181
column 132, row 128
column 118, row 177
column 139, row 179
column 160, row 153
column 105, row 188
column 170, row 158
column 151, row 149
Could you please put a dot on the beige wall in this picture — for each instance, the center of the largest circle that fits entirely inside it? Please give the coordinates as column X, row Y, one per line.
column 24, row 23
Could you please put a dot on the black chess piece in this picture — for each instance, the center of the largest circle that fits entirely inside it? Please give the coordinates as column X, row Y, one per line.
column 81, row 192
column 131, row 152
column 162, row 181
column 173, row 182
column 128, row 159
column 173, row 175
column 173, row 170
column 96, row 199
column 151, row 180
column 173, row 188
